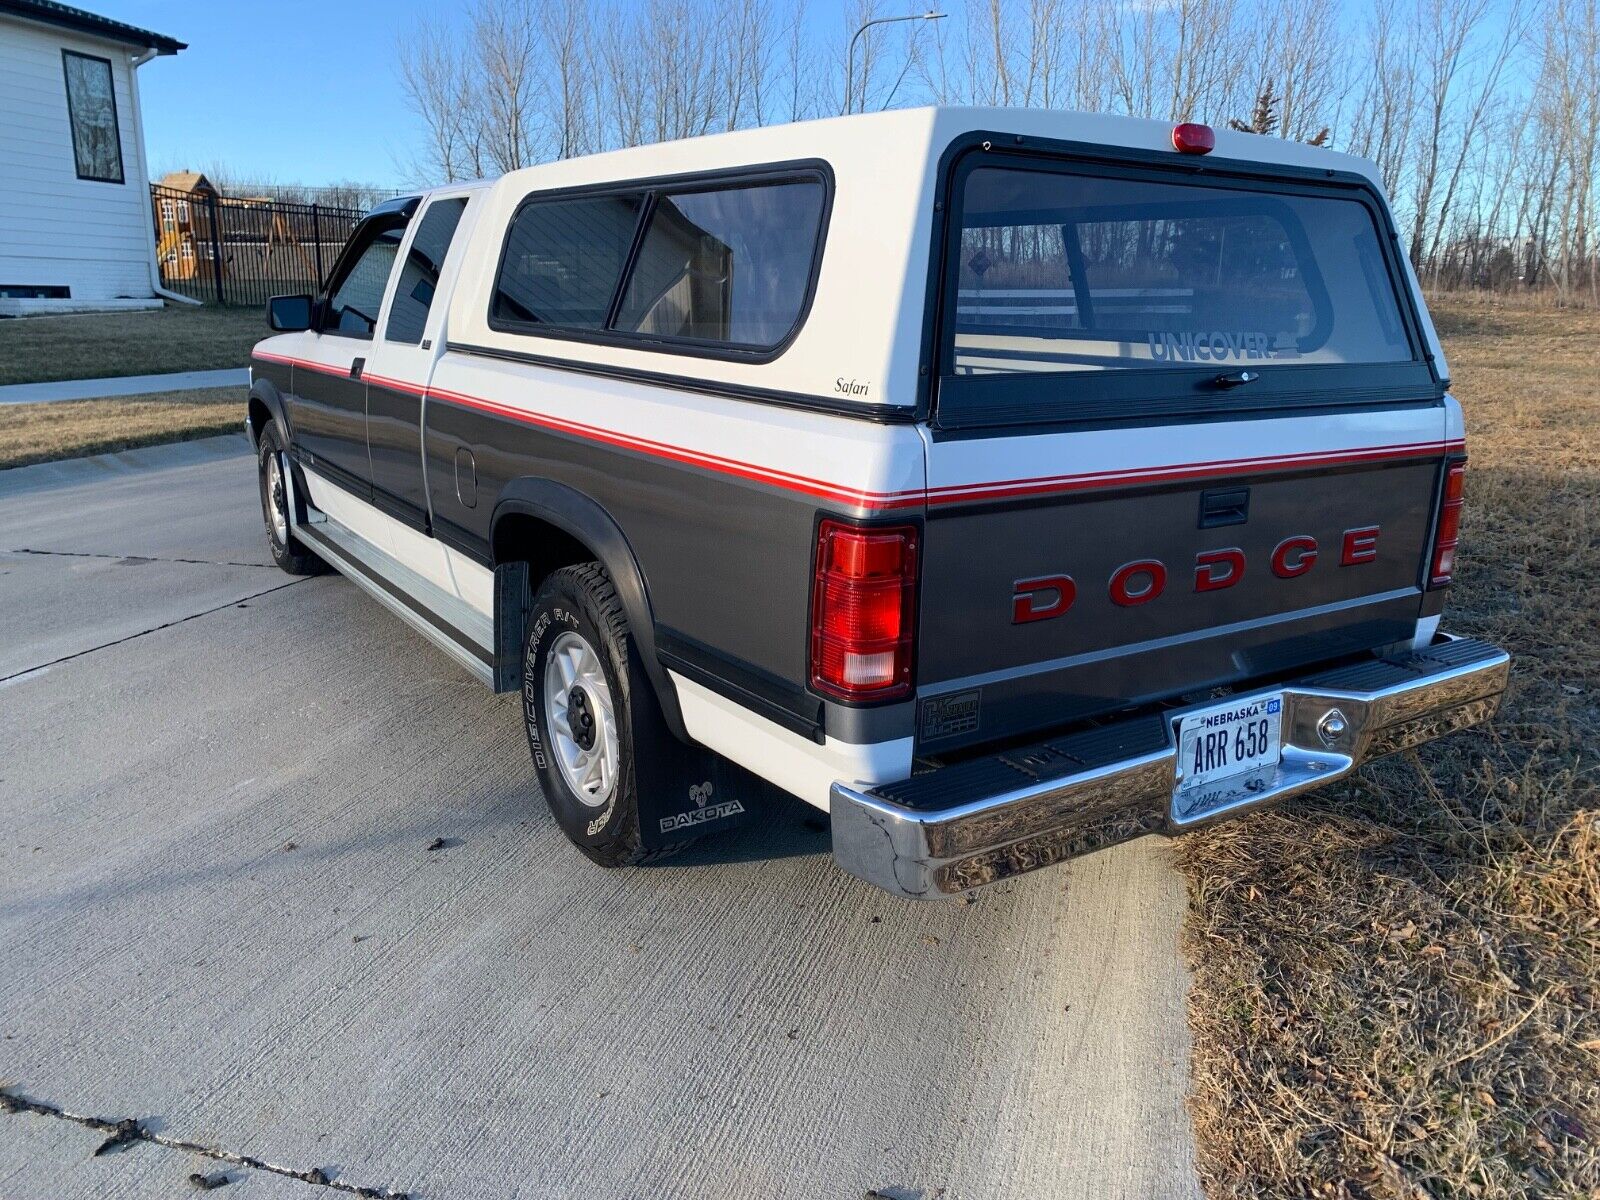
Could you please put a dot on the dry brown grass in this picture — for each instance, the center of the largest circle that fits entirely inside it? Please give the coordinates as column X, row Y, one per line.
column 1396, row 983
column 31, row 433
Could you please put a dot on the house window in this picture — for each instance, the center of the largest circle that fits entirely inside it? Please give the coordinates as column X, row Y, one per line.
column 92, row 109
column 168, row 219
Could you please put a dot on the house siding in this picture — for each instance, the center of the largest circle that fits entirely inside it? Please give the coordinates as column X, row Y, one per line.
column 57, row 229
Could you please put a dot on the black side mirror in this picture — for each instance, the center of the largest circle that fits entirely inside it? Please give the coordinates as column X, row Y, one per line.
column 289, row 314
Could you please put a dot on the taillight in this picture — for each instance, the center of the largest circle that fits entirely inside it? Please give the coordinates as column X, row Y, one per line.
column 1447, row 534
column 863, row 608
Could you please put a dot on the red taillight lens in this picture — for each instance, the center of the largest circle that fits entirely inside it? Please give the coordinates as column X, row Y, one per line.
column 1189, row 138
column 863, row 610
column 1448, row 532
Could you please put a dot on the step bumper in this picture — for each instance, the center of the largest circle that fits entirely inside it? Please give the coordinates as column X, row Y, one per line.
column 977, row 822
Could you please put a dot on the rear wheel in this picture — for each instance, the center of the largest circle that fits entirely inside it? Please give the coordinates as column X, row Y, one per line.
column 579, row 677
column 273, row 468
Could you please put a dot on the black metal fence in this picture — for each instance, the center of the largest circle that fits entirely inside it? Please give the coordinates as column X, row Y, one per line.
column 241, row 249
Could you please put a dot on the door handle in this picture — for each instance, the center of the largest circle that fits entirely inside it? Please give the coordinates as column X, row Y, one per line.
column 357, row 367
column 1224, row 506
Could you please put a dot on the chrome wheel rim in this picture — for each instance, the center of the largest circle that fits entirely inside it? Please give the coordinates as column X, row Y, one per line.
column 583, row 723
column 277, row 501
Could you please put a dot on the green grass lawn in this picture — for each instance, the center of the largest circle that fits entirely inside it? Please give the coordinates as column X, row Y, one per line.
column 98, row 345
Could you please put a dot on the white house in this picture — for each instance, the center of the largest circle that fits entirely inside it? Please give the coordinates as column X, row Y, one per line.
column 75, row 222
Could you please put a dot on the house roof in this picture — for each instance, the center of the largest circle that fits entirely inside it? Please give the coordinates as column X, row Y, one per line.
column 48, row 12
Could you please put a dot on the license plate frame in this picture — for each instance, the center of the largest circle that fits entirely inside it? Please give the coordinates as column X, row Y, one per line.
column 1226, row 752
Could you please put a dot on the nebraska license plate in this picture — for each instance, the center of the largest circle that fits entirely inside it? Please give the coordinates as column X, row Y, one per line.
column 1223, row 750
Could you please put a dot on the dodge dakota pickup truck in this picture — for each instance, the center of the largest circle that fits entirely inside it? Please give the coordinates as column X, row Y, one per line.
column 1007, row 484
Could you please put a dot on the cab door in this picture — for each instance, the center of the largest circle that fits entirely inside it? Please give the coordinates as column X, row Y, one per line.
column 328, row 399
column 400, row 363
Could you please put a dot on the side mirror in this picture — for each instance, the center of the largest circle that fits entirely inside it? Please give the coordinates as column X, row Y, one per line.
column 289, row 314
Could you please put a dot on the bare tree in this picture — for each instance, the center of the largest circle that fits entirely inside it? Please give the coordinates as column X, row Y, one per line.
column 797, row 65
column 1484, row 137
column 436, row 78
column 1304, row 53
column 1445, row 32
column 563, row 88
column 1484, row 92
column 1380, row 127
column 745, row 61
column 506, row 35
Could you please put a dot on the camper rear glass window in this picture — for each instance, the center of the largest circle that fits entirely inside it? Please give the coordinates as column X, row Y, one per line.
column 726, row 266
column 1061, row 271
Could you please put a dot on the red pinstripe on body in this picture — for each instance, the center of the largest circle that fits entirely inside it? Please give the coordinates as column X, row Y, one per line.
column 964, row 493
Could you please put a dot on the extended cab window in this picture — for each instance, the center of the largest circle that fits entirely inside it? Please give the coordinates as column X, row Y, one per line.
column 564, row 259
column 357, row 297
column 729, row 266
column 1069, row 272
column 413, row 298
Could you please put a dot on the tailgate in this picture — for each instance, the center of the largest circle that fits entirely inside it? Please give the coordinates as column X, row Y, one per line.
column 1186, row 431
column 1051, row 596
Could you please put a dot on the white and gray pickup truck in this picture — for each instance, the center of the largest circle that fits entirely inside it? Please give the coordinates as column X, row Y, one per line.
column 1007, row 484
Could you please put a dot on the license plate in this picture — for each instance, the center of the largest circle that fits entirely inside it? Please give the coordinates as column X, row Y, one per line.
column 1238, row 738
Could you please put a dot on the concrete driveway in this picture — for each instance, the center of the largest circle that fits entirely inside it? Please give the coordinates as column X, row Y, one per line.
column 219, row 914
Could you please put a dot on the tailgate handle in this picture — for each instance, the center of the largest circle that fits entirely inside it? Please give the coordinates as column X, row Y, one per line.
column 1224, row 506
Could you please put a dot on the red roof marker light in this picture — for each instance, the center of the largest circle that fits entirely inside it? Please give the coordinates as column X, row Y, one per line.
column 1193, row 139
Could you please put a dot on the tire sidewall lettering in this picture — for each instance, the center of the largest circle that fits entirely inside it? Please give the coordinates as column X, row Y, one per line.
column 559, row 616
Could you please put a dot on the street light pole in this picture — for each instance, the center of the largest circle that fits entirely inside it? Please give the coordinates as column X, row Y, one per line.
column 850, row 55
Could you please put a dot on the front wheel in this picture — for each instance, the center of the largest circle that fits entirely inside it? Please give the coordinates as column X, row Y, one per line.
column 579, row 677
column 272, row 467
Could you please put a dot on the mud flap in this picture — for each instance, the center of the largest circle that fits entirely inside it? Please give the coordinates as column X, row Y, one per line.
column 686, row 791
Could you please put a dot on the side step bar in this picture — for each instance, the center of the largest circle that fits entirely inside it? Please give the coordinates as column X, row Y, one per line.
column 459, row 630
column 983, row 820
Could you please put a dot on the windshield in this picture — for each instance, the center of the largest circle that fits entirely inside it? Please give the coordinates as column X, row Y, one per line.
column 1062, row 271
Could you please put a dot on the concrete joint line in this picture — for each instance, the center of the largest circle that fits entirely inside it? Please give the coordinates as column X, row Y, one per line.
column 129, row 1130
column 193, row 562
column 154, row 629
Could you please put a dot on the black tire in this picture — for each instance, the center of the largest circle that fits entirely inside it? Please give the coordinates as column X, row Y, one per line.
column 581, row 601
column 287, row 552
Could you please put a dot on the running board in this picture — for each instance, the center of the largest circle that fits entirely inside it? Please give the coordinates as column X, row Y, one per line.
column 445, row 620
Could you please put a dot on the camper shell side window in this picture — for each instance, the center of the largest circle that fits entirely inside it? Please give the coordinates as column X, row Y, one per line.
column 717, row 265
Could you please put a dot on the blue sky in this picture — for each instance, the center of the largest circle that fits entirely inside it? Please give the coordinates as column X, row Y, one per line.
column 287, row 91
column 307, row 91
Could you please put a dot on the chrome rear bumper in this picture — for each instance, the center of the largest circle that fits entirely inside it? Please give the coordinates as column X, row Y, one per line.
column 977, row 822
